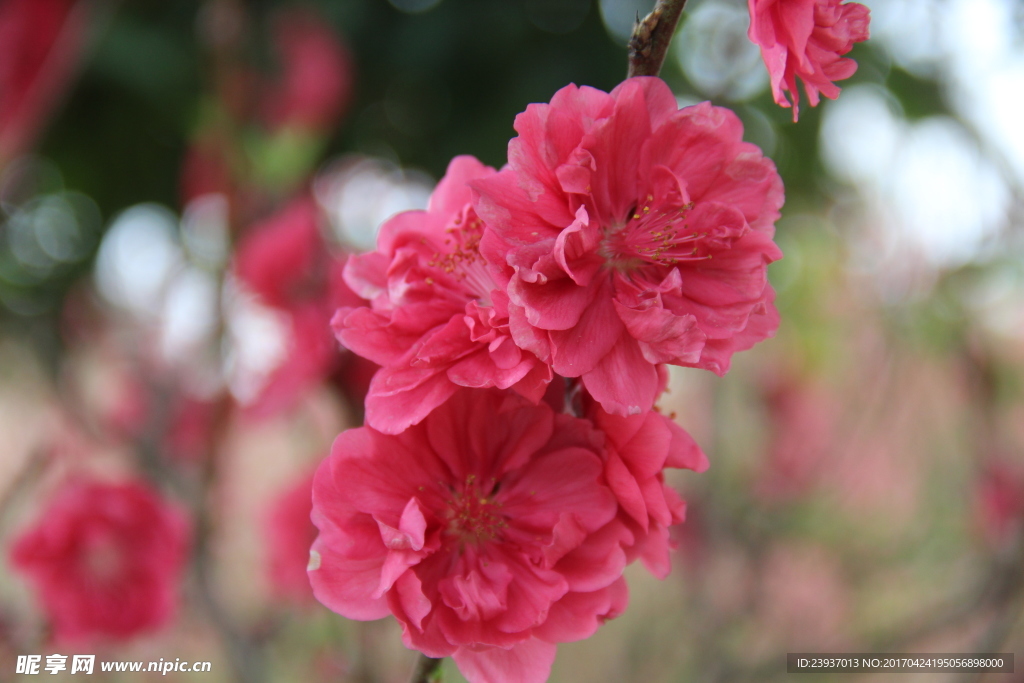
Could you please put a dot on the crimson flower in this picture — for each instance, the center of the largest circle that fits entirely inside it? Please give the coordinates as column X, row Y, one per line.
column 631, row 233
column 105, row 560
column 437, row 320
column 487, row 530
column 807, row 38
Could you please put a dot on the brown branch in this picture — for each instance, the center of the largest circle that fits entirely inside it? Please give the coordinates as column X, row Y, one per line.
column 651, row 37
column 29, row 471
column 246, row 658
column 428, row 670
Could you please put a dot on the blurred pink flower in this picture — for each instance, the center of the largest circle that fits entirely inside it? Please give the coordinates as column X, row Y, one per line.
column 41, row 42
column 281, row 258
column 308, row 94
column 191, row 422
column 290, row 533
column 124, row 408
column 805, row 600
column 690, row 541
column 437, row 320
column 806, row 38
column 205, row 168
column 315, row 83
column 999, row 503
column 803, row 426
column 285, row 261
column 487, row 530
column 105, row 560
column 630, row 233
column 639, row 448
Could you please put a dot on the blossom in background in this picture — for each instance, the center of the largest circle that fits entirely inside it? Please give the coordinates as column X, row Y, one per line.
column 41, row 42
column 315, row 82
column 190, row 425
column 807, row 38
column 289, row 534
column 437, row 320
column 803, row 420
column 487, row 530
column 630, row 233
column 999, row 502
column 302, row 103
column 104, row 560
column 285, row 261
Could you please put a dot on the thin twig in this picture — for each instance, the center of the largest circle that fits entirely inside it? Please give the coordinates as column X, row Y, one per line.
column 651, row 37
column 246, row 659
column 428, row 670
column 30, row 470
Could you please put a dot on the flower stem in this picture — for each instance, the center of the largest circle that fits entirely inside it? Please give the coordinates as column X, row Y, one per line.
column 428, row 670
column 651, row 37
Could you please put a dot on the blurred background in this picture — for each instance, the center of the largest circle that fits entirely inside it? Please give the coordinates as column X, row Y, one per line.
column 180, row 184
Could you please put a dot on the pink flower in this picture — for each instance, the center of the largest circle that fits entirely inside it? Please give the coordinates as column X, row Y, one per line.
column 290, row 533
column 316, row 79
column 281, row 258
column 190, row 427
column 999, row 502
column 437, row 320
column 803, row 420
column 487, row 530
column 105, row 560
column 806, row 38
column 632, row 234
column 41, row 42
column 639, row 448
column 286, row 263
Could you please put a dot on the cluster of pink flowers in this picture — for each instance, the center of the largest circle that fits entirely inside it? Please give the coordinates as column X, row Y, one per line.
column 106, row 560
column 491, row 504
column 624, row 234
column 513, row 461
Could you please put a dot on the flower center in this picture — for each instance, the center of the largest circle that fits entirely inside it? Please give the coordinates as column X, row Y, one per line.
column 463, row 261
column 103, row 560
column 650, row 235
column 473, row 515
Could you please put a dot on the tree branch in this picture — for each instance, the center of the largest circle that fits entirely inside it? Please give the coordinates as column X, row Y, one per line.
column 246, row 658
column 651, row 37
